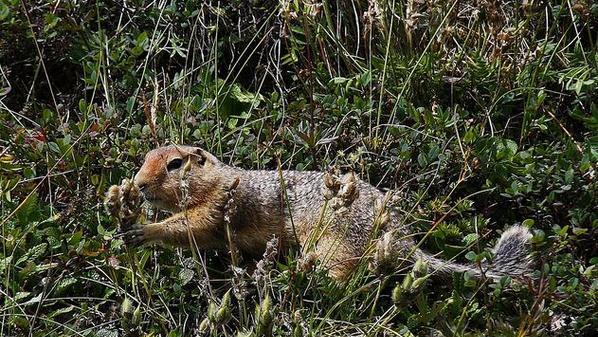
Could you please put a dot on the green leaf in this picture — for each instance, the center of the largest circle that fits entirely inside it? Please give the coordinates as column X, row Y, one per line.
column 470, row 238
column 186, row 275
column 33, row 253
column 54, row 147
column 83, row 106
column 4, row 263
column 471, row 256
column 64, row 285
column 232, row 123
column 61, row 311
column 511, row 145
column 34, row 300
column 244, row 96
column 529, row 223
column 27, row 210
column 141, row 38
column 4, row 11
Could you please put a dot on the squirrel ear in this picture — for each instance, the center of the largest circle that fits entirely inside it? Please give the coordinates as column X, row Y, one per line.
column 200, row 156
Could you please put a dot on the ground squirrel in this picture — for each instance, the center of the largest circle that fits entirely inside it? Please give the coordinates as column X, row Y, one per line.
column 340, row 219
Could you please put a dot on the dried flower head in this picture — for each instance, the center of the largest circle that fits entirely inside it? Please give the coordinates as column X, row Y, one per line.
column 124, row 203
column 229, row 210
column 388, row 251
column 340, row 192
column 264, row 265
column 349, row 191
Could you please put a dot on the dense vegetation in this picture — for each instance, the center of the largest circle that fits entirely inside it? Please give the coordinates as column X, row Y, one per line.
column 483, row 114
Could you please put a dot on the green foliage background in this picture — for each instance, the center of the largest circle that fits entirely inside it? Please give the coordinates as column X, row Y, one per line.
column 482, row 113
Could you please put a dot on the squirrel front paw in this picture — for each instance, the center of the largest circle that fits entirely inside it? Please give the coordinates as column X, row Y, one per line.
column 134, row 235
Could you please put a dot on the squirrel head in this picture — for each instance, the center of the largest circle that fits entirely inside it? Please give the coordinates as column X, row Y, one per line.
column 175, row 176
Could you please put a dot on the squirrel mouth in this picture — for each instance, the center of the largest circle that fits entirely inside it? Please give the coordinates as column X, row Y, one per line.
column 155, row 201
column 149, row 197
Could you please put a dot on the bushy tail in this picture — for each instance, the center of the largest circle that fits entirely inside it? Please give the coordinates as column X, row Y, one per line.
column 511, row 257
column 511, row 253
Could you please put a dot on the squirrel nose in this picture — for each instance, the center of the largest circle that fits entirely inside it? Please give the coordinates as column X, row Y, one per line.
column 141, row 184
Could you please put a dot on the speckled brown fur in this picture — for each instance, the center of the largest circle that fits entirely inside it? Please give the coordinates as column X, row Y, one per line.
column 192, row 184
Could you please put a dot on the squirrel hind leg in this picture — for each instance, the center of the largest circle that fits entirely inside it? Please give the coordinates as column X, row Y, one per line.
column 511, row 253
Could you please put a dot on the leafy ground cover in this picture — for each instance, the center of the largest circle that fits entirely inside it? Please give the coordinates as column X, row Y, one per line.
column 483, row 114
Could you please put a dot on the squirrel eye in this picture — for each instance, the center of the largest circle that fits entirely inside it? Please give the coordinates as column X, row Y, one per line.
column 174, row 164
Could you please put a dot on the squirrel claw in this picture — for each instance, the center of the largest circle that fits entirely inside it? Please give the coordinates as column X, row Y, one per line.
column 134, row 236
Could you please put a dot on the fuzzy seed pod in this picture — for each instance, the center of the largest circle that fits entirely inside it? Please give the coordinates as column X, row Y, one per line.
column 224, row 312
column 397, row 294
column 204, row 326
column 336, row 204
column 136, row 318
column 212, row 311
column 239, row 283
column 134, row 196
column 349, row 191
column 124, row 203
column 383, row 219
column 420, row 268
column 130, row 202
column 112, row 200
column 382, row 214
column 384, row 247
column 125, row 187
column 378, row 206
column 327, row 193
column 418, row 283
column 331, row 180
column 407, row 281
column 185, row 197
column 126, row 308
column 264, row 316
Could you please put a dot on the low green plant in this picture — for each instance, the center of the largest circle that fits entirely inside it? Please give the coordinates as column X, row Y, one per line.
column 480, row 115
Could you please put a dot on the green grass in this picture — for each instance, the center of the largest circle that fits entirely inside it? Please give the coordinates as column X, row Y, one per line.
column 481, row 114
